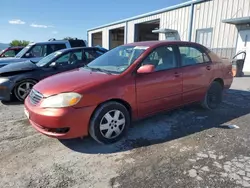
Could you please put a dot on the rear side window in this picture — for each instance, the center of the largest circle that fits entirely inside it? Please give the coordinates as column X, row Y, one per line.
column 17, row 51
column 77, row 43
column 54, row 47
column 92, row 54
column 192, row 56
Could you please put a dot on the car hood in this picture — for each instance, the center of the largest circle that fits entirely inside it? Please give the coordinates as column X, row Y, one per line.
column 7, row 60
column 72, row 80
column 17, row 67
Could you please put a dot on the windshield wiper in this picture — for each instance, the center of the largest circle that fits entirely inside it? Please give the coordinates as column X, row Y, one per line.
column 98, row 69
column 32, row 61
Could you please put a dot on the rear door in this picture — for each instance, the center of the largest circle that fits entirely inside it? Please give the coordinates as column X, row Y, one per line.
column 197, row 71
column 161, row 89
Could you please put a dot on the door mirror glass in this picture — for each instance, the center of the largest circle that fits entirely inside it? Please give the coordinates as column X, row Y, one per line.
column 27, row 55
column 146, row 69
column 53, row 64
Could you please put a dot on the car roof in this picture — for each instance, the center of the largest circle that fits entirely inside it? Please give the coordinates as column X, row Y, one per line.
column 15, row 47
column 76, row 48
column 50, row 42
column 158, row 43
column 53, row 42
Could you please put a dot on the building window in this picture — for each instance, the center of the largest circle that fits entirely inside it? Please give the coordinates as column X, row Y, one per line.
column 204, row 37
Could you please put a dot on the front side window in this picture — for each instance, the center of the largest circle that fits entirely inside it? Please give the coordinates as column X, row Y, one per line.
column 118, row 59
column 69, row 58
column 192, row 56
column 163, row 58
column 37, row 51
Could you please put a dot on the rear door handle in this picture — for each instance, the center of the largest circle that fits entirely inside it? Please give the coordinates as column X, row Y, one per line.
column 176, row 74
column 208, row 67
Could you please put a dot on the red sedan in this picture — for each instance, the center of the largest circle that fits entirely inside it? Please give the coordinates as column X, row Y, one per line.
column 129, row 82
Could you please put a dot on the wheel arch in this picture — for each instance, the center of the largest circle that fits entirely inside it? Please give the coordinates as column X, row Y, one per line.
column 20, row 81
column 121, row 101
column 220, row 81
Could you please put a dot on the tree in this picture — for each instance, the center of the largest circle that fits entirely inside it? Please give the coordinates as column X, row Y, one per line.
column 19, row 43
column 68, row 38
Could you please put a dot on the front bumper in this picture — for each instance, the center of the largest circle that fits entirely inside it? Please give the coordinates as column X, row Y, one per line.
column 5, row 90
column 48, row 120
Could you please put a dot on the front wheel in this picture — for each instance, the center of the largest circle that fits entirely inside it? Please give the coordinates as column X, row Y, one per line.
column 22, row 89
column 109, row 123
column 213, row 96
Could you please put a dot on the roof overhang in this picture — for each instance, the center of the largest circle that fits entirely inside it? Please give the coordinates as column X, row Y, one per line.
column 237, row 21
column 164, row 31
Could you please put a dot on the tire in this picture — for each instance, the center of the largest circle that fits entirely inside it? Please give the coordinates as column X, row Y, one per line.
column 114, row 127
column 213, row 97
column 23, row 88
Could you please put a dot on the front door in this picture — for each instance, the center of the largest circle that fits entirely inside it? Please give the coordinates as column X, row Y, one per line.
column 161, row 89
column 244, row 45
column 68, row 61
column 197, row 72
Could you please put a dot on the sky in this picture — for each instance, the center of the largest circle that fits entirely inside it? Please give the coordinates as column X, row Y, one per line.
column 41, row 20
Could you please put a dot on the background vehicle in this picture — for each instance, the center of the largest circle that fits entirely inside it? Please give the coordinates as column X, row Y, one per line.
column 19, row 78
column 128, row 82
column 36, row 51
column 11, row 51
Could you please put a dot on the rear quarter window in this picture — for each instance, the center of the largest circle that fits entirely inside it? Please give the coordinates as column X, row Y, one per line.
column 77, row 43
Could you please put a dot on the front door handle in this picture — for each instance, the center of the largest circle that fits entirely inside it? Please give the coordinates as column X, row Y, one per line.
column 176, row 74
column 208, row 67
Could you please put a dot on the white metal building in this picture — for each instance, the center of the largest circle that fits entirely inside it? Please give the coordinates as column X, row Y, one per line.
column 221, row 25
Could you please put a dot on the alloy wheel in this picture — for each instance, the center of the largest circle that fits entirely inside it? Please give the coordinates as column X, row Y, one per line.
column 112, row 124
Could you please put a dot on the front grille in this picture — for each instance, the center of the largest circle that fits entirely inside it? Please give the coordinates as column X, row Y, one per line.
column 35, row 97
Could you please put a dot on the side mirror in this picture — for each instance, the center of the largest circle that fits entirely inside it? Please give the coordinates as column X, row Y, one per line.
column 146, row 69
column 27, row 55
column 53, row 64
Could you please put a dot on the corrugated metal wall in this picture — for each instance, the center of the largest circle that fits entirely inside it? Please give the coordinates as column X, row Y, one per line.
column 176, row 19
column 208, row 14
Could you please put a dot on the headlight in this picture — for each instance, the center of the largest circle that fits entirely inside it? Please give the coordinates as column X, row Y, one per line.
column 2, row 80
column 61, row 100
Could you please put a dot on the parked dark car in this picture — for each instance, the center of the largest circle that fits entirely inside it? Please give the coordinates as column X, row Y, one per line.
column 11, row 51
column 18, row 78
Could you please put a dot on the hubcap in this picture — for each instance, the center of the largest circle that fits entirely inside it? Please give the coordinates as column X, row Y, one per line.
column 24, row 89
column 112, row 124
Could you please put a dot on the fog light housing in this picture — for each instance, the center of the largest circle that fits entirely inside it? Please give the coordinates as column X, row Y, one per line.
column 62, row 130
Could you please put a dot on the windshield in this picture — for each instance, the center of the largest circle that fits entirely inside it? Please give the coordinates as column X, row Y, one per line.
column 118, row 59
column 44, row 61
column 23, row 51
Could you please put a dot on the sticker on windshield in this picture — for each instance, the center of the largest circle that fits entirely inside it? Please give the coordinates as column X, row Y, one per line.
column 141, row 47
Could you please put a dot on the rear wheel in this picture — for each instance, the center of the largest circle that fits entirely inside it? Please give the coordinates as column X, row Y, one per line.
column 109, row 123
column 23, row 88
column 213, row 96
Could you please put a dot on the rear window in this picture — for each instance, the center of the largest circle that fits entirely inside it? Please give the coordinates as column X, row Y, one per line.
column 77, row 43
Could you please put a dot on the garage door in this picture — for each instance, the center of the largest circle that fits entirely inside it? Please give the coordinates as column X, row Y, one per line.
column 244, row 44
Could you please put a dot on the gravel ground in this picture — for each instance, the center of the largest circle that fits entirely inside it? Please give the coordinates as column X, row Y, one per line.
column 187, row 147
